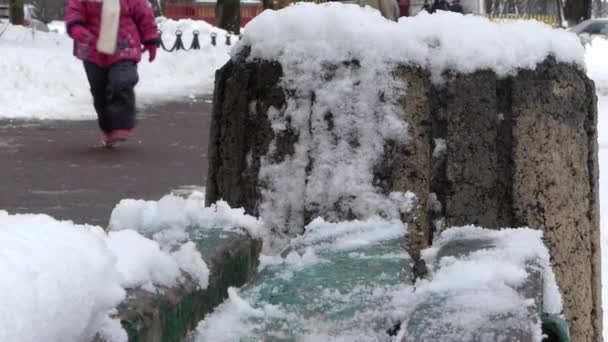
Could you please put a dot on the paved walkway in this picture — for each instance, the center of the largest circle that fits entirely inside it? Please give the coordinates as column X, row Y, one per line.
column 55, row 167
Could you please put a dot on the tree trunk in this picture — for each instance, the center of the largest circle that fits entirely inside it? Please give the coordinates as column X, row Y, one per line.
column 16, row 12
column 156, row 7
column 560, row 13
column 267, row 4
column 228, row 14
column 576, row 11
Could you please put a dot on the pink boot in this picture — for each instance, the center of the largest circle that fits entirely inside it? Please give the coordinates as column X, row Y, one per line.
column 109, row 139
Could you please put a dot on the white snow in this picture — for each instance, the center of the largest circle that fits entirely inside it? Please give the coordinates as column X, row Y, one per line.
column 440, row 42
column 348, row 235
column 58, row 281
column 141, row 261
column 167, row 219
column 230, row 322
column 321, row 236
column 61, row 282
column 343, row 148
column 502, row 265
column 484, row 283
column 41, row 79
column 597, row 69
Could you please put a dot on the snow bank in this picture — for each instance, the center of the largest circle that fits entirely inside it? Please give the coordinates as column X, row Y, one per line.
column 166, row 220
column 336, row 32
column 58, row 281
column 41, row 79
column 597, row 68
column 596, row 59
column 61, row 282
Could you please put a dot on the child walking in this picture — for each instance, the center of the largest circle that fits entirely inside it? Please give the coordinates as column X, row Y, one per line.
column 109, row 37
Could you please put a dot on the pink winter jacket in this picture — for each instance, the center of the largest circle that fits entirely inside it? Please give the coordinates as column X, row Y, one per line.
column 137, row 27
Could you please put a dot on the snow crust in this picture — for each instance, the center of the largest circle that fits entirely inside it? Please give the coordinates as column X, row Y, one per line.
column 42, row 80
column 336, row 32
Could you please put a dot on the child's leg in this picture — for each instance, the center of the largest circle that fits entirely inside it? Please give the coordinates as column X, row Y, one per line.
column 98, row 82
column 120, row 95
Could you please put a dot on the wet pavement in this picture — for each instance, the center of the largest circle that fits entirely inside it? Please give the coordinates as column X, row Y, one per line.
column 58, row 167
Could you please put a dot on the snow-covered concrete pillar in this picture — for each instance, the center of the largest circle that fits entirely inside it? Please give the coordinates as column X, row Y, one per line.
column 436, row 128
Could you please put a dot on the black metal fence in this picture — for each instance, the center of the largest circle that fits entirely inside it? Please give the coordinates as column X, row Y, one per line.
column 196, row 41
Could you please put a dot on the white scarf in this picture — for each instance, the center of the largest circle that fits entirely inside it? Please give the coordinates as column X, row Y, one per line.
column 108, row 35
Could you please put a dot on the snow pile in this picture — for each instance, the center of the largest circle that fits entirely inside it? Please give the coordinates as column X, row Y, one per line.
column 440, row 42
column 41, row 78
column 61, row 282
column 229, row 322
column 143, row 263
column 166, row 220
column 475, row 288
column 58, row 281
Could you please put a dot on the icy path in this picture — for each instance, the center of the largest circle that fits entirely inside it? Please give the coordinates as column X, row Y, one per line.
column 55, row 168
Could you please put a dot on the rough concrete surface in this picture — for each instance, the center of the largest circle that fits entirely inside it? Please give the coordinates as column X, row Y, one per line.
column 554, row 182
column 240, row 131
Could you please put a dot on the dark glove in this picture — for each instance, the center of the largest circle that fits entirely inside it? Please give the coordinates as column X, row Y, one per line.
column 81, row 35
column 151, row 48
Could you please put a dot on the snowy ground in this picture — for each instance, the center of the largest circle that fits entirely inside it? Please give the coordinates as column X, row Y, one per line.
column 41, row 79
column 597, row 68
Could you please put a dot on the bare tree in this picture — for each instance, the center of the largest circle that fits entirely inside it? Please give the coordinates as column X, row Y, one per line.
column 228, row 14
column 16, row 12
column 267, row 4
column 576, row 11
column 600, row 8
column 48, row 10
